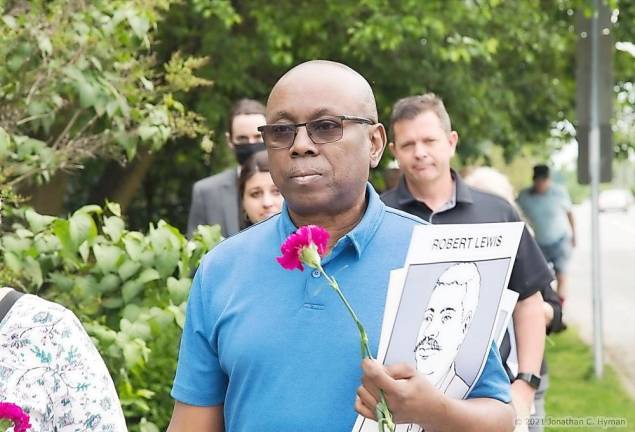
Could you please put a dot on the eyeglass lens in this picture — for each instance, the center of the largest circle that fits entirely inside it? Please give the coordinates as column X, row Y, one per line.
column 321, row 131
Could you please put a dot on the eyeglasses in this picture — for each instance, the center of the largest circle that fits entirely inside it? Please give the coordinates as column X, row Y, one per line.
column 321, row 131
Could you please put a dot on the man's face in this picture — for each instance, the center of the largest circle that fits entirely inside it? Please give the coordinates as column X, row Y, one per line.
column 442, row 331
column 322, row 178
column 423, row 148
column 542, row 184
column 245, row 129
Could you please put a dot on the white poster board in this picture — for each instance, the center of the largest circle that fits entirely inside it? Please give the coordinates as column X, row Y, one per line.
column 448, row 304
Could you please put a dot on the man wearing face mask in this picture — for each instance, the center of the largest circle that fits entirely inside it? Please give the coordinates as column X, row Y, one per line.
column 215, row 198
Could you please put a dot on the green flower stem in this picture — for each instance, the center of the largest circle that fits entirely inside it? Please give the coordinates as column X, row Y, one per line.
column 550, row 341
column 384, row 417
column 362, row 332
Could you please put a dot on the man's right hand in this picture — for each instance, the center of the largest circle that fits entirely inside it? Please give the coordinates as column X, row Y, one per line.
column 409, row 395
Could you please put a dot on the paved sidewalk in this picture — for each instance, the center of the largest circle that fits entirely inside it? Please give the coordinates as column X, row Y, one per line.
column 617, row 232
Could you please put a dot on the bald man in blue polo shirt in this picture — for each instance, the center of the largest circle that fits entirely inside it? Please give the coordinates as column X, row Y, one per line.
column 264, row 349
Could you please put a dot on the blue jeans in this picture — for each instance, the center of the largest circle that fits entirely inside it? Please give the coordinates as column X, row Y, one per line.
column 558, row 254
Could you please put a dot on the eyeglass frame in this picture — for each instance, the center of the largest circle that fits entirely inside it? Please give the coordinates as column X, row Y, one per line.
column 356, row 119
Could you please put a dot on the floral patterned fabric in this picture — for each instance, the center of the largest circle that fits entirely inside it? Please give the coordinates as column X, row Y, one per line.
column 50, row 367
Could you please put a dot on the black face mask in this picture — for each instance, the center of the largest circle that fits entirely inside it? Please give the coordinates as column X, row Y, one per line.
column 244, row 151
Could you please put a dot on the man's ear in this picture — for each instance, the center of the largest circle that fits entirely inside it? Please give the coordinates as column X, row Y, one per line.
column 228, row 140
column 378, row 141
column 454, row 141
column 393, row 149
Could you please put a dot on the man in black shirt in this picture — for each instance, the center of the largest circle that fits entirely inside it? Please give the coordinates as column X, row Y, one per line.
column 423, row 144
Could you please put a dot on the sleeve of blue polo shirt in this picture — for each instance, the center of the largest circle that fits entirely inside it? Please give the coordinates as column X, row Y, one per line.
column 493, row 382
column 199, row 380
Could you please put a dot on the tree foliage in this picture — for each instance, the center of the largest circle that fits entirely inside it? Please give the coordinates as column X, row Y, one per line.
column 501, row 67
column 505, row 69
column 78, row 80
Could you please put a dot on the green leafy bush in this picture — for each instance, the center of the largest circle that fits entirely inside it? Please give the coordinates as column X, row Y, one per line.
column 128, row 288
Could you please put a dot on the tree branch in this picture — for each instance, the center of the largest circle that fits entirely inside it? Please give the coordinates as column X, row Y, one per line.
column 31, row 118
column 33, row 88
column 87, row 125
column 69, row 125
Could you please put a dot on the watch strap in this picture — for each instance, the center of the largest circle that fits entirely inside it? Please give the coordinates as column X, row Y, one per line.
column 529, row 378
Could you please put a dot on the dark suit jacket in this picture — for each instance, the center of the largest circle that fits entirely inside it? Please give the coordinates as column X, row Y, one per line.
column 215, row 201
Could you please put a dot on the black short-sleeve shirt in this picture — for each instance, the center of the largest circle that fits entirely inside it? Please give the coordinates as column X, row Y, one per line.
column 530, row 273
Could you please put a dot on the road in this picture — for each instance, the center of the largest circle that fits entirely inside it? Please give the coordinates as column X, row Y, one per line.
column 617, row 233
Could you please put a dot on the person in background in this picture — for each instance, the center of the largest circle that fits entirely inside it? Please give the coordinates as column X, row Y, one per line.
column 424, row 144
column 490, row 180
column 51, row 369
column 547, row 207
column 215, row 198
column 259, row 196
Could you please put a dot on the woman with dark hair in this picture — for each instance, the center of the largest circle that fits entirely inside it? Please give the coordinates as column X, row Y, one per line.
column 259, row 196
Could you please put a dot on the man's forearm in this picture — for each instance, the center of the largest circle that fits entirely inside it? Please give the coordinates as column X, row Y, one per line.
column 475, row 415
column 571, row 223
column 529, row 326
column 189, row 418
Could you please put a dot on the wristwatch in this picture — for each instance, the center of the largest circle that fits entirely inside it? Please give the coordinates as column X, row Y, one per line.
column 529, row 378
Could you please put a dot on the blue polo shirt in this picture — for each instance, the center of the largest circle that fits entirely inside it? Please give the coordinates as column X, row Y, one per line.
column 547, row 213
column 277, row 347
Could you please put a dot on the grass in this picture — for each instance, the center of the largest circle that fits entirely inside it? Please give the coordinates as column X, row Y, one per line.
column 574, row 391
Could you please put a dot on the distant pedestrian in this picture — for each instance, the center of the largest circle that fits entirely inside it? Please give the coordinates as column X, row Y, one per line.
column 547, row 207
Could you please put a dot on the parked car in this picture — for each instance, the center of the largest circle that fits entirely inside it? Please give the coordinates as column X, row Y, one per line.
column 615, row 200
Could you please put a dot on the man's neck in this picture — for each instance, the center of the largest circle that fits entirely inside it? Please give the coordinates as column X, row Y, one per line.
column 337, row 225
column 434, row 194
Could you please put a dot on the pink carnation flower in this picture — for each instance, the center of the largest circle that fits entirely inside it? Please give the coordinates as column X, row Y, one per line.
column 15, row 414
column 307, row 245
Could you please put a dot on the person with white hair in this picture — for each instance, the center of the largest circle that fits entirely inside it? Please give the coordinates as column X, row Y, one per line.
column 491, row 180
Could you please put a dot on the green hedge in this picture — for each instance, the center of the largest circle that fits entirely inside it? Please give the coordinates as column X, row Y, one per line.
column 128, row 288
